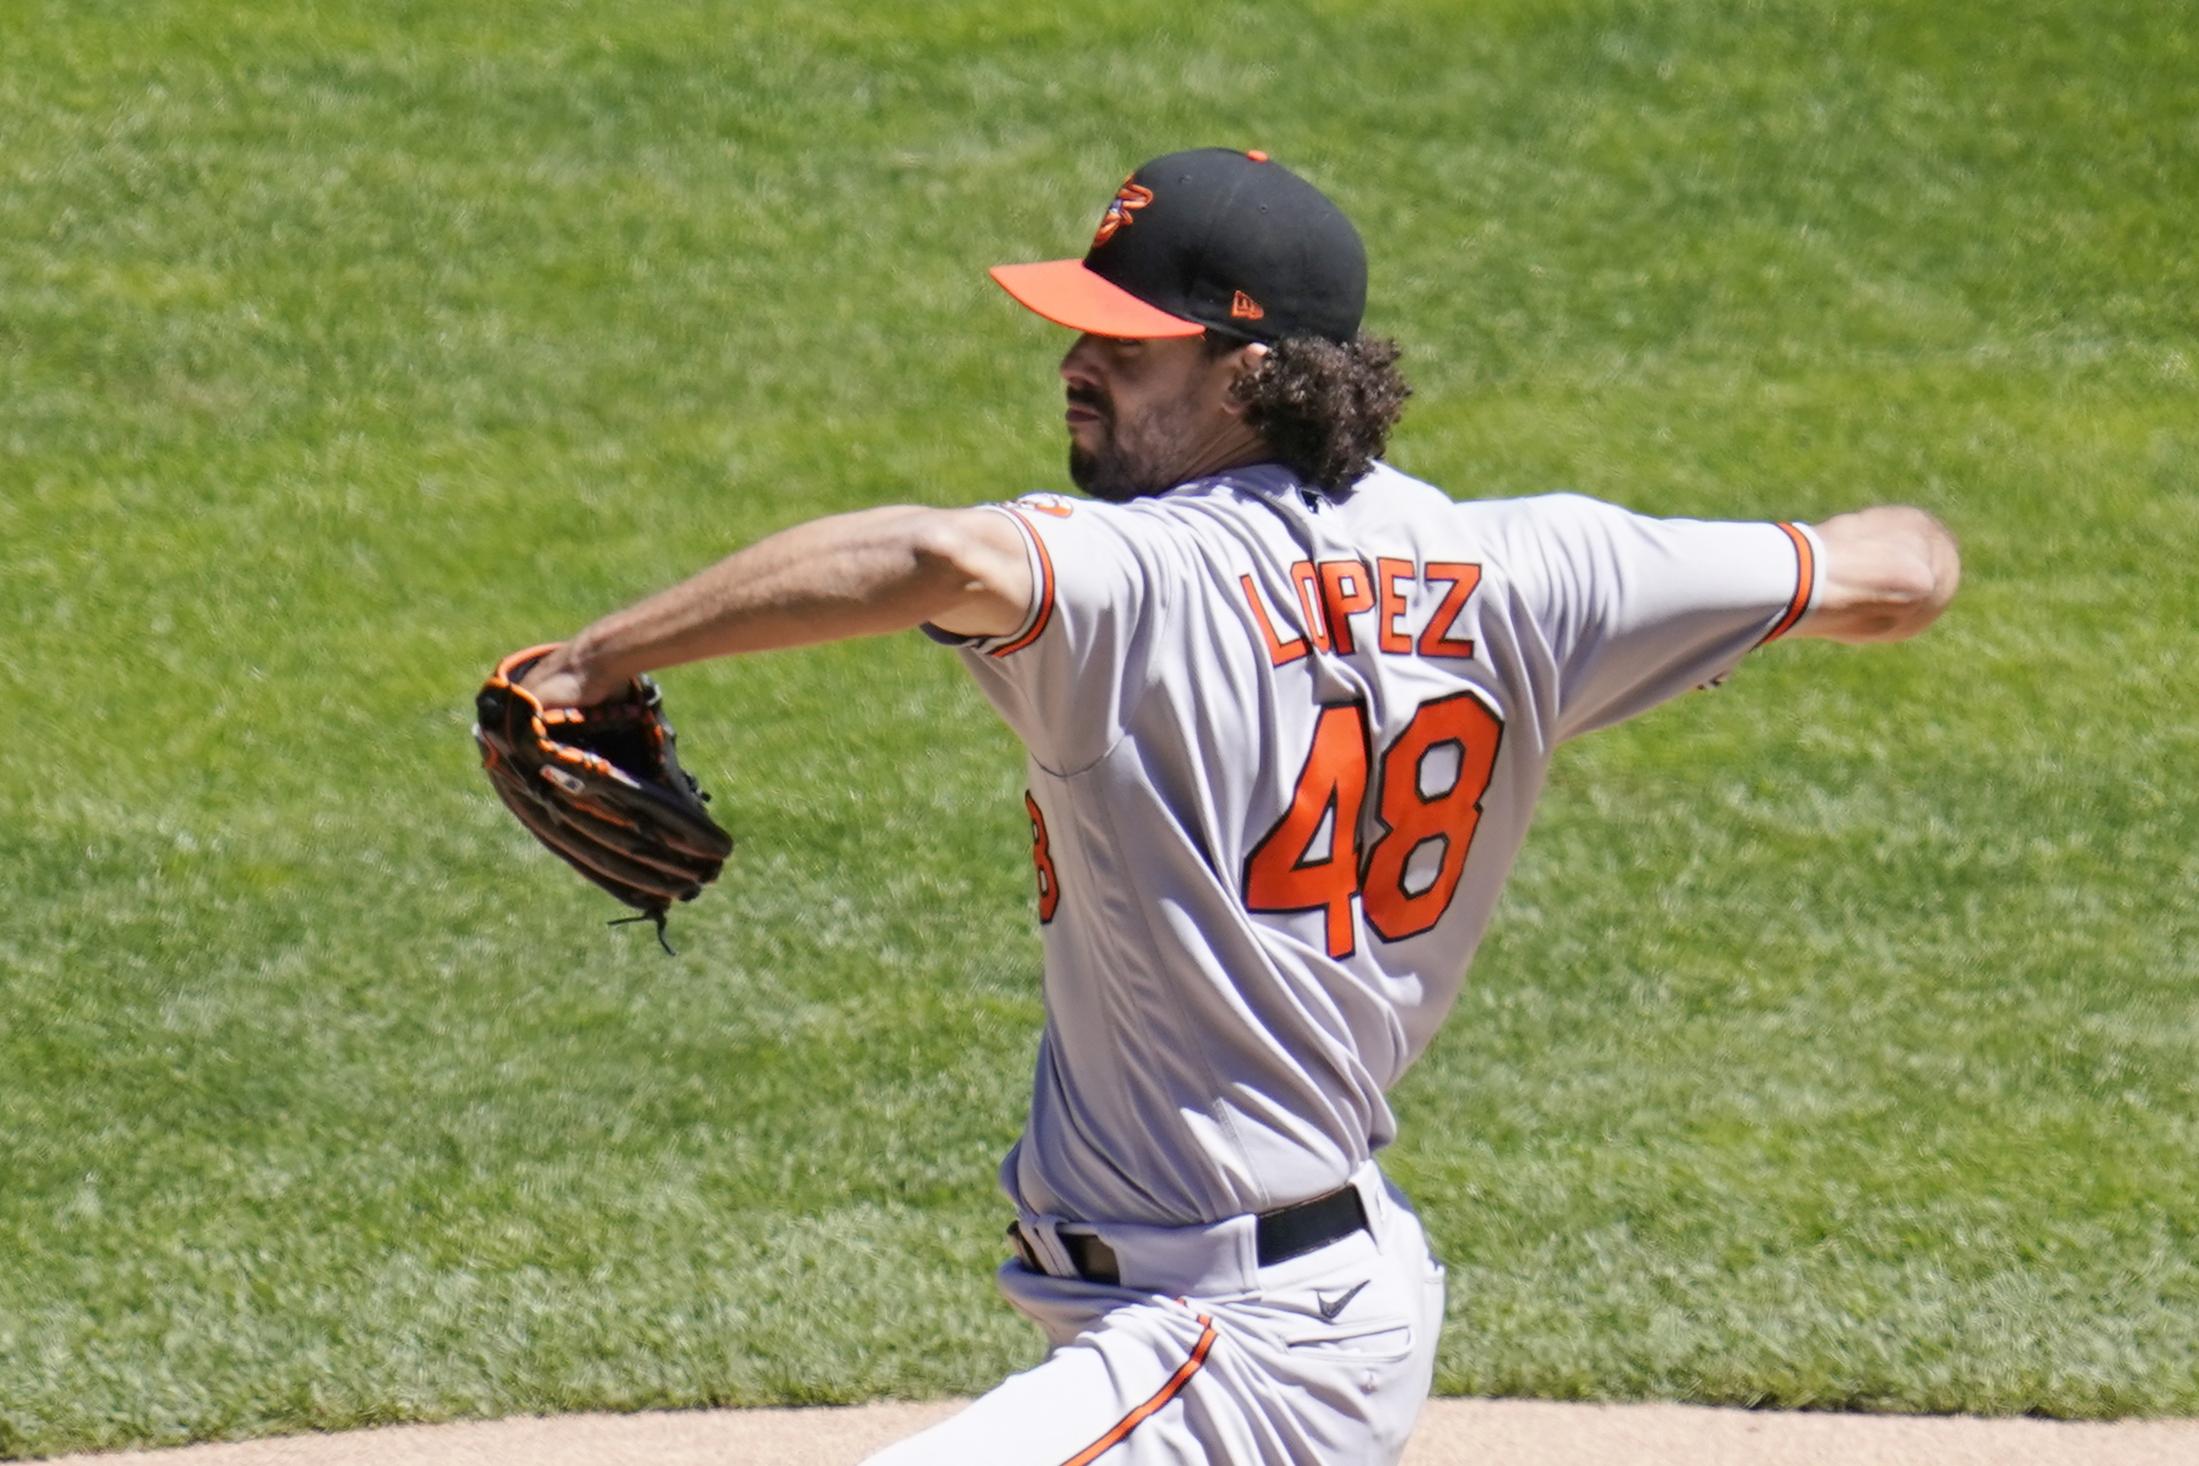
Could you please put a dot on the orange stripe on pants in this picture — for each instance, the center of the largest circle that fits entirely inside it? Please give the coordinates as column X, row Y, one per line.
column 1122, row 1428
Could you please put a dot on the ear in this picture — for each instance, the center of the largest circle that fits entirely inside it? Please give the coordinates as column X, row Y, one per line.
column 1240, row 364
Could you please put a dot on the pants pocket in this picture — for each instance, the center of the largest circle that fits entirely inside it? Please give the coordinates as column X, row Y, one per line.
column 1371, row 1342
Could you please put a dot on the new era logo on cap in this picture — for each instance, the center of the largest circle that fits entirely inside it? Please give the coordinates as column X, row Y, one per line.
column 1208, row 240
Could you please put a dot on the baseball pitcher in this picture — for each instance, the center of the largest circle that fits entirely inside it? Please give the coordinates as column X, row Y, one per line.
column 1288, row 712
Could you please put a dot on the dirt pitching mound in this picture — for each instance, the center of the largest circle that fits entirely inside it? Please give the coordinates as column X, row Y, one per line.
column 1452, row 1433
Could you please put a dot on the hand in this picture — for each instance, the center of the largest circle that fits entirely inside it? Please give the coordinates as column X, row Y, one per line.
column 1888, row 573
column 563, row 679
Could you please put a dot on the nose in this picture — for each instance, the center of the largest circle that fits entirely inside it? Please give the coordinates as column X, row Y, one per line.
column 1080, row 364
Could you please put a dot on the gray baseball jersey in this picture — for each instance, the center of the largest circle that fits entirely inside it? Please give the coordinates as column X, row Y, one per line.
column 1283, row 751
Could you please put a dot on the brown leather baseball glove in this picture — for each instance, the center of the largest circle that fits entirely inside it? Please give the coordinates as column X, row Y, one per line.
column 601, row 787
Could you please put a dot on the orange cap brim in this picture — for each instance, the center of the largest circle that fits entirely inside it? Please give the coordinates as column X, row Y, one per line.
column 1066, row 293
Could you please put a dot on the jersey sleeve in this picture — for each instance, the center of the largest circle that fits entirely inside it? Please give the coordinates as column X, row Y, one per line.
column 1637, row 610
column 1068, row 679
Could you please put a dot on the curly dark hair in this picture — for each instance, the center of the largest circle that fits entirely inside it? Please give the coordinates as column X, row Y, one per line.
column 1325, row 408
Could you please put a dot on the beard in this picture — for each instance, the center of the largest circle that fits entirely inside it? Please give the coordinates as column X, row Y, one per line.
column 1102, row 473
column 1132, row 460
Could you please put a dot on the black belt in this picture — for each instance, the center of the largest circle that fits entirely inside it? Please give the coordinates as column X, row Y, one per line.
column 1294, row 1231
column 1279, row 1236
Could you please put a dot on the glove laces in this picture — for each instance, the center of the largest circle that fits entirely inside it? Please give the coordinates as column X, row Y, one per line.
column 655, row 916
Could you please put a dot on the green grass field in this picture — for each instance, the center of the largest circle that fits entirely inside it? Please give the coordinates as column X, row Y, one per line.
column 1836, row 1046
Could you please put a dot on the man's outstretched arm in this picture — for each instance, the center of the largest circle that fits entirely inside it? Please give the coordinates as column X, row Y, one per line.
column 861, row 574
column 1888, row 572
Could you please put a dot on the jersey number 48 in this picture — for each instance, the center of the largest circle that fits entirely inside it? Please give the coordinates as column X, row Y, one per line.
column 1294, row 869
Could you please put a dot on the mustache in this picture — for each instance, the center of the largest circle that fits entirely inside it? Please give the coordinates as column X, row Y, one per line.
column 1087, row 398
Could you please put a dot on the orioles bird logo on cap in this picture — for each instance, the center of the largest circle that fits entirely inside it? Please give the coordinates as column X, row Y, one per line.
column 1129, row 196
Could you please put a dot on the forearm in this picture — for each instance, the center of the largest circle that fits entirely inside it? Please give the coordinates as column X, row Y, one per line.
column 829, row 579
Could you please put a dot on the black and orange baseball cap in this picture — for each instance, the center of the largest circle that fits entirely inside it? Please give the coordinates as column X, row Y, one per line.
column 1209, row 240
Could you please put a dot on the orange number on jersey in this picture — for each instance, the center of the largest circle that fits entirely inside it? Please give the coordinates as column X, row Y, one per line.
column 1284, row 871
column 1412, row 817
column 1049, row 887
